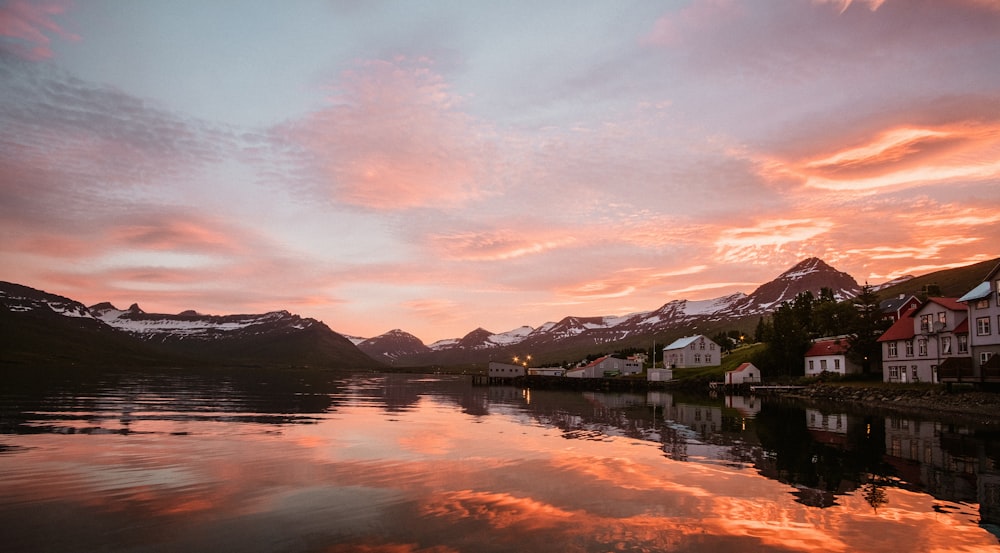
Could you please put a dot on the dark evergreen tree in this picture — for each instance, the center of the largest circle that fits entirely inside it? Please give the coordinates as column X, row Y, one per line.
column 863, row 346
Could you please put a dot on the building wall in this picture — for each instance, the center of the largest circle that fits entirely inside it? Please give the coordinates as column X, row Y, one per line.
column 917, row 359
column 659, row 375
column 702, row 352
column 987, row 309
column 830, row 363
column 505, row 370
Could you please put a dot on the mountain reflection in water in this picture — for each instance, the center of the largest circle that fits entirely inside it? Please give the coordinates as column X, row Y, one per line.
column 315, row 461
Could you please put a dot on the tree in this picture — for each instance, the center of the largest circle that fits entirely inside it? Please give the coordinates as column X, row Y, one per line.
column 863, row 347
column 788, row 337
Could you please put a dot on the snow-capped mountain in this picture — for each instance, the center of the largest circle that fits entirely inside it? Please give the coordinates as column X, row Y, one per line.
column 191, row 325
column 43, row 328
column 679, row 315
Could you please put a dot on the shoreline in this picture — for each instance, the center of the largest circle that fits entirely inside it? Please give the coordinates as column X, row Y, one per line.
column 982, row 407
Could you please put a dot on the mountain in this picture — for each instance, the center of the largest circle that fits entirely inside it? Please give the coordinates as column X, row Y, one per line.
column 574, row 337
column 54, row 330
column 392, row 346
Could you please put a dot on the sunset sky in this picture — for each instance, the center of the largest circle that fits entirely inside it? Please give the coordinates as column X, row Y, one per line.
column 439, row 166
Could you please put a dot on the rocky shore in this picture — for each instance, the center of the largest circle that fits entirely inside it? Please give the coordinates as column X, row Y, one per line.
column 979, row 405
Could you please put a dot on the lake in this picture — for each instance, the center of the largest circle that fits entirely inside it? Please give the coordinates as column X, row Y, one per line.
column 299, row 461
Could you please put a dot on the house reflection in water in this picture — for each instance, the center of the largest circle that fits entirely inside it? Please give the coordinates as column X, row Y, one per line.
column 950, row 462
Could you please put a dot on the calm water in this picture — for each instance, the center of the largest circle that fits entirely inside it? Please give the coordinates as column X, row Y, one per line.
column 393, row 463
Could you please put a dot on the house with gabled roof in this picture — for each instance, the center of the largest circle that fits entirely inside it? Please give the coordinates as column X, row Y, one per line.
column 927, row 340
column 692, row 351
column 983, row 304
column 746, row 373
column 893, row 309
column 829, row 355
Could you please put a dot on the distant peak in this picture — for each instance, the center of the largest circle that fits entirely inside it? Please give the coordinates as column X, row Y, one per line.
column 103, row 306
column 135, row 309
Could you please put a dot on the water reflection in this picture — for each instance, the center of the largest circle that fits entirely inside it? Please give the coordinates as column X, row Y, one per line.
column 324, row 462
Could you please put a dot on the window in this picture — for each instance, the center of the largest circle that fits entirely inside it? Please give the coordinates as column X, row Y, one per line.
column 822, row 364
column 697, row 358
column 982, row 304
column 922, row 348
column 701, row 345
column 983, row 326
column 708, row 357
column 963, row 343
column 913, row 374
column 909, row 348
column 984, row 357
column 711, row 346
column 812, row 367
column 946, row 345
column 925, row 323
column 893, row 350
column 894, row 372
column 997, row 288
column 943, row 319
column 836, row 365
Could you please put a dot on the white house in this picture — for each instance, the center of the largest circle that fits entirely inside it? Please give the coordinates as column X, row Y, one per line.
column 659, row 375
column 692, row 351
column 829, row 356
column 746, row 373
column 606, row 366
column 983, row 303
column 934, row 334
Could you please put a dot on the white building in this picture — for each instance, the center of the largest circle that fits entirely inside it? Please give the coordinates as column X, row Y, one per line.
column 983, row 303
column 934, row 334
column 505, row 370
column 692, row 351
column 546, row 371
column 829, row 356
column 659, row 375
column 747, row 373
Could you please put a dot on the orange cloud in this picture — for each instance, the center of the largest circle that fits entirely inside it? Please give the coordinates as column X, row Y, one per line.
column 902, row 157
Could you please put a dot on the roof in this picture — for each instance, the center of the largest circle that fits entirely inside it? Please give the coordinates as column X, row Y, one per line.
column 948, row 303
column 743, row 367
column 977, row 293
column 829, row 347
column 900, row 330
column 962, row 328
column 682, row 343
column 596, row 362
column 894, row 304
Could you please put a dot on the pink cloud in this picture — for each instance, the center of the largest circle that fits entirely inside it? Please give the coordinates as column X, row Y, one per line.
column 26, row 26
column 394, row 138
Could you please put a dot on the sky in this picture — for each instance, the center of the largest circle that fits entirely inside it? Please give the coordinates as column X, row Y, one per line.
column 440, row 166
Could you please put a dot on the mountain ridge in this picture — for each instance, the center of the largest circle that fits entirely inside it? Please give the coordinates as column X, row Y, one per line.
column 35, row 322
column 576, row 332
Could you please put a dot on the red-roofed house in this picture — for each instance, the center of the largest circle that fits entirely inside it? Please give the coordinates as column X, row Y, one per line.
column 829, row 356
column 746, row 373
column 933, row 334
